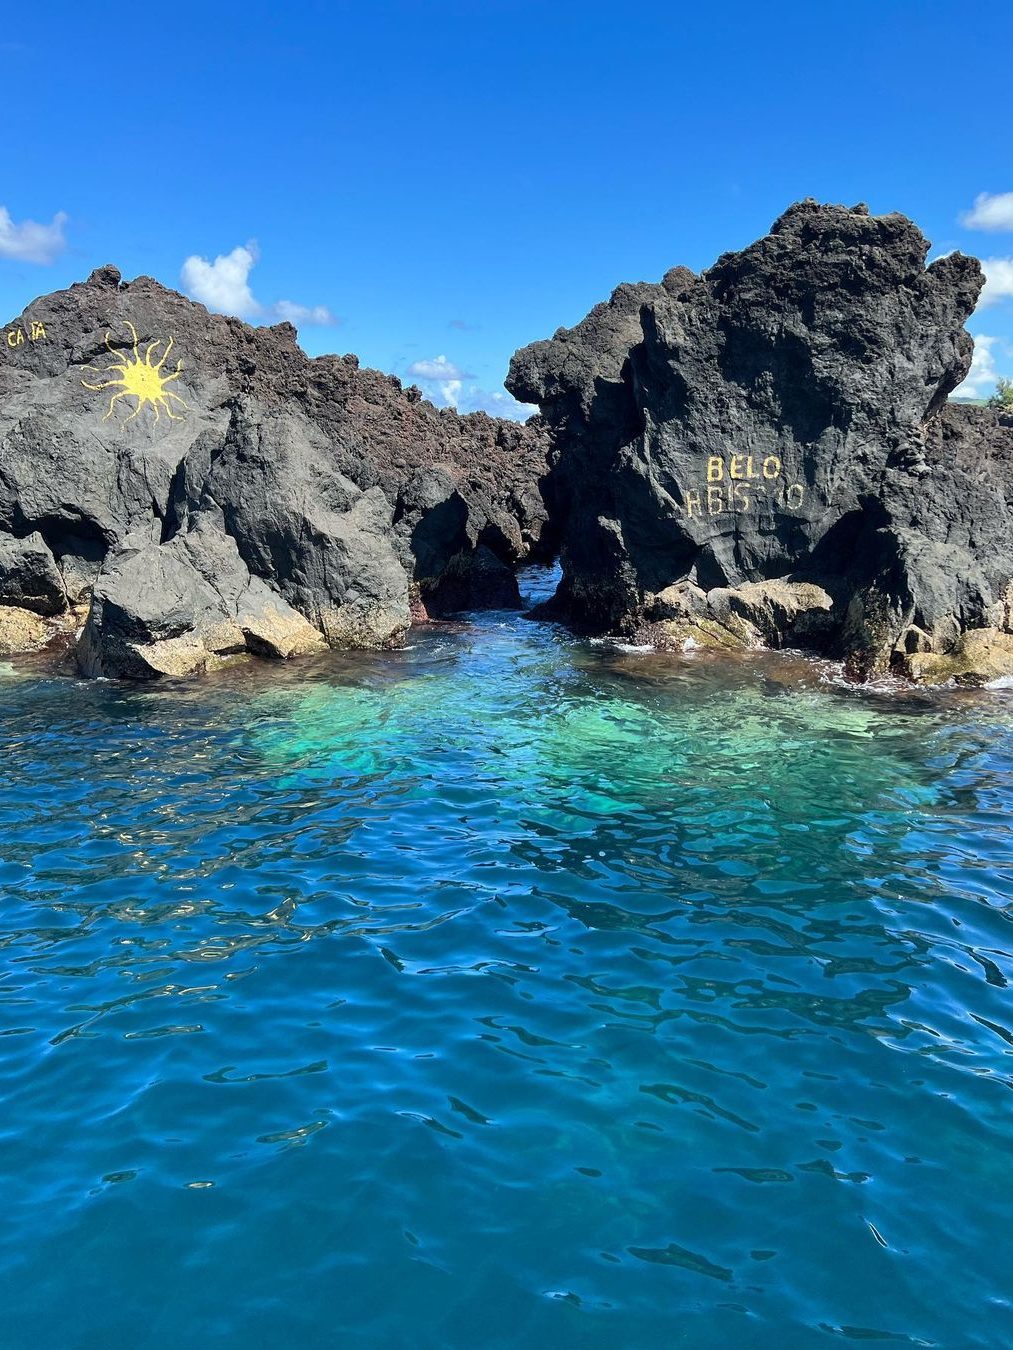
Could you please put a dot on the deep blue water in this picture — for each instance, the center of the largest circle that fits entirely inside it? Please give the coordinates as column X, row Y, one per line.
column 506, row 991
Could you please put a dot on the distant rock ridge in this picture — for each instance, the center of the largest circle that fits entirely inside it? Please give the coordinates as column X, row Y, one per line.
column 188, row 487
column 764, row 453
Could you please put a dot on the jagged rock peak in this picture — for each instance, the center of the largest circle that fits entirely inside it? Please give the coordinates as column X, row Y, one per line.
column 775, row 419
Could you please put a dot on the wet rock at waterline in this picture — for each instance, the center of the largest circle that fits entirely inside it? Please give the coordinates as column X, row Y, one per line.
column 206, row 489
column 21, row 630
column 763, row 452
column 180, row 607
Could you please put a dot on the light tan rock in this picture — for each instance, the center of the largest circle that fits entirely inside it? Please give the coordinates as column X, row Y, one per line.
column 22, row 631
column 1002, row 611
column 776, row 612
column 367, row 627
column 687, row 634
column 172, row 656
column 980, row 655
column 222, row 636
column 270, row 632
column 678, row 601
column 914, row 639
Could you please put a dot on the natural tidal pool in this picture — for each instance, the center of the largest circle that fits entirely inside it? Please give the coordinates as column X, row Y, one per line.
column 508, row 990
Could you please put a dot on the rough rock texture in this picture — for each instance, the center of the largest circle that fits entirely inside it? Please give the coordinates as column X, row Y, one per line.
column 781, row 417
column 177, row 608
column 21, row 630
column 755, row 614
column 29, row 576
column 217, row 490
column 979, row 655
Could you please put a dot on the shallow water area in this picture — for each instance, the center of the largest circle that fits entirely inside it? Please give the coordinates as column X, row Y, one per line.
column 507, row 990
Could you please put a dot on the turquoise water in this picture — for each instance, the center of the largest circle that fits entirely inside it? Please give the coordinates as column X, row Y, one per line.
column 506, row 991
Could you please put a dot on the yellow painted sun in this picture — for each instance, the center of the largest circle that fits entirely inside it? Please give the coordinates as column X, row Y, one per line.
column 140, row 377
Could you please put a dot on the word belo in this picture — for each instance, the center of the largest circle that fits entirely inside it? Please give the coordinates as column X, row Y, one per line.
column 733, row 481
column 16, row 336
column 741, row 467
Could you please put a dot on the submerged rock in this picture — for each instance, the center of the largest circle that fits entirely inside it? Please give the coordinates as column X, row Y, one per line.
column 780, row 422
column 212, row 490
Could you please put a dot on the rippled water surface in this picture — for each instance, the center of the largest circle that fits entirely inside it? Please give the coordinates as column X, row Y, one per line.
column 505, row 991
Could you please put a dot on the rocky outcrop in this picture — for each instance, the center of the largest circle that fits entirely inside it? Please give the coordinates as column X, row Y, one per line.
column 178, row 608
column 29, row 576
column 761, row 454
column 210, row 489
column 764, row 453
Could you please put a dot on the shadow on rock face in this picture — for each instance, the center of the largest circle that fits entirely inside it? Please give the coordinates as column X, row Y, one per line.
column 477, row 580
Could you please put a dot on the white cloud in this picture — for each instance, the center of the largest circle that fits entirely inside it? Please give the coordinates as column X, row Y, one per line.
column 497, row 404
column 29, row 241
column 998, row 281
column 297, row 314
column 983, row 374
column 437, row 368
column 991, row 211
column 224, row 286
column 445, row 384
column 450, row 392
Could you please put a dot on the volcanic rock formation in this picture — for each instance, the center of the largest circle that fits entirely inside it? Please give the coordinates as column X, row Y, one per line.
column 763, row 452
column 198, row 487
column 759, row 454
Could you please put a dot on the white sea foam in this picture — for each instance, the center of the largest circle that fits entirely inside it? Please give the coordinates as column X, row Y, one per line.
column 616, row 645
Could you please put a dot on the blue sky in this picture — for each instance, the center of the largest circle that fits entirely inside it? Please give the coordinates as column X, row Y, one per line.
column 432, row 186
